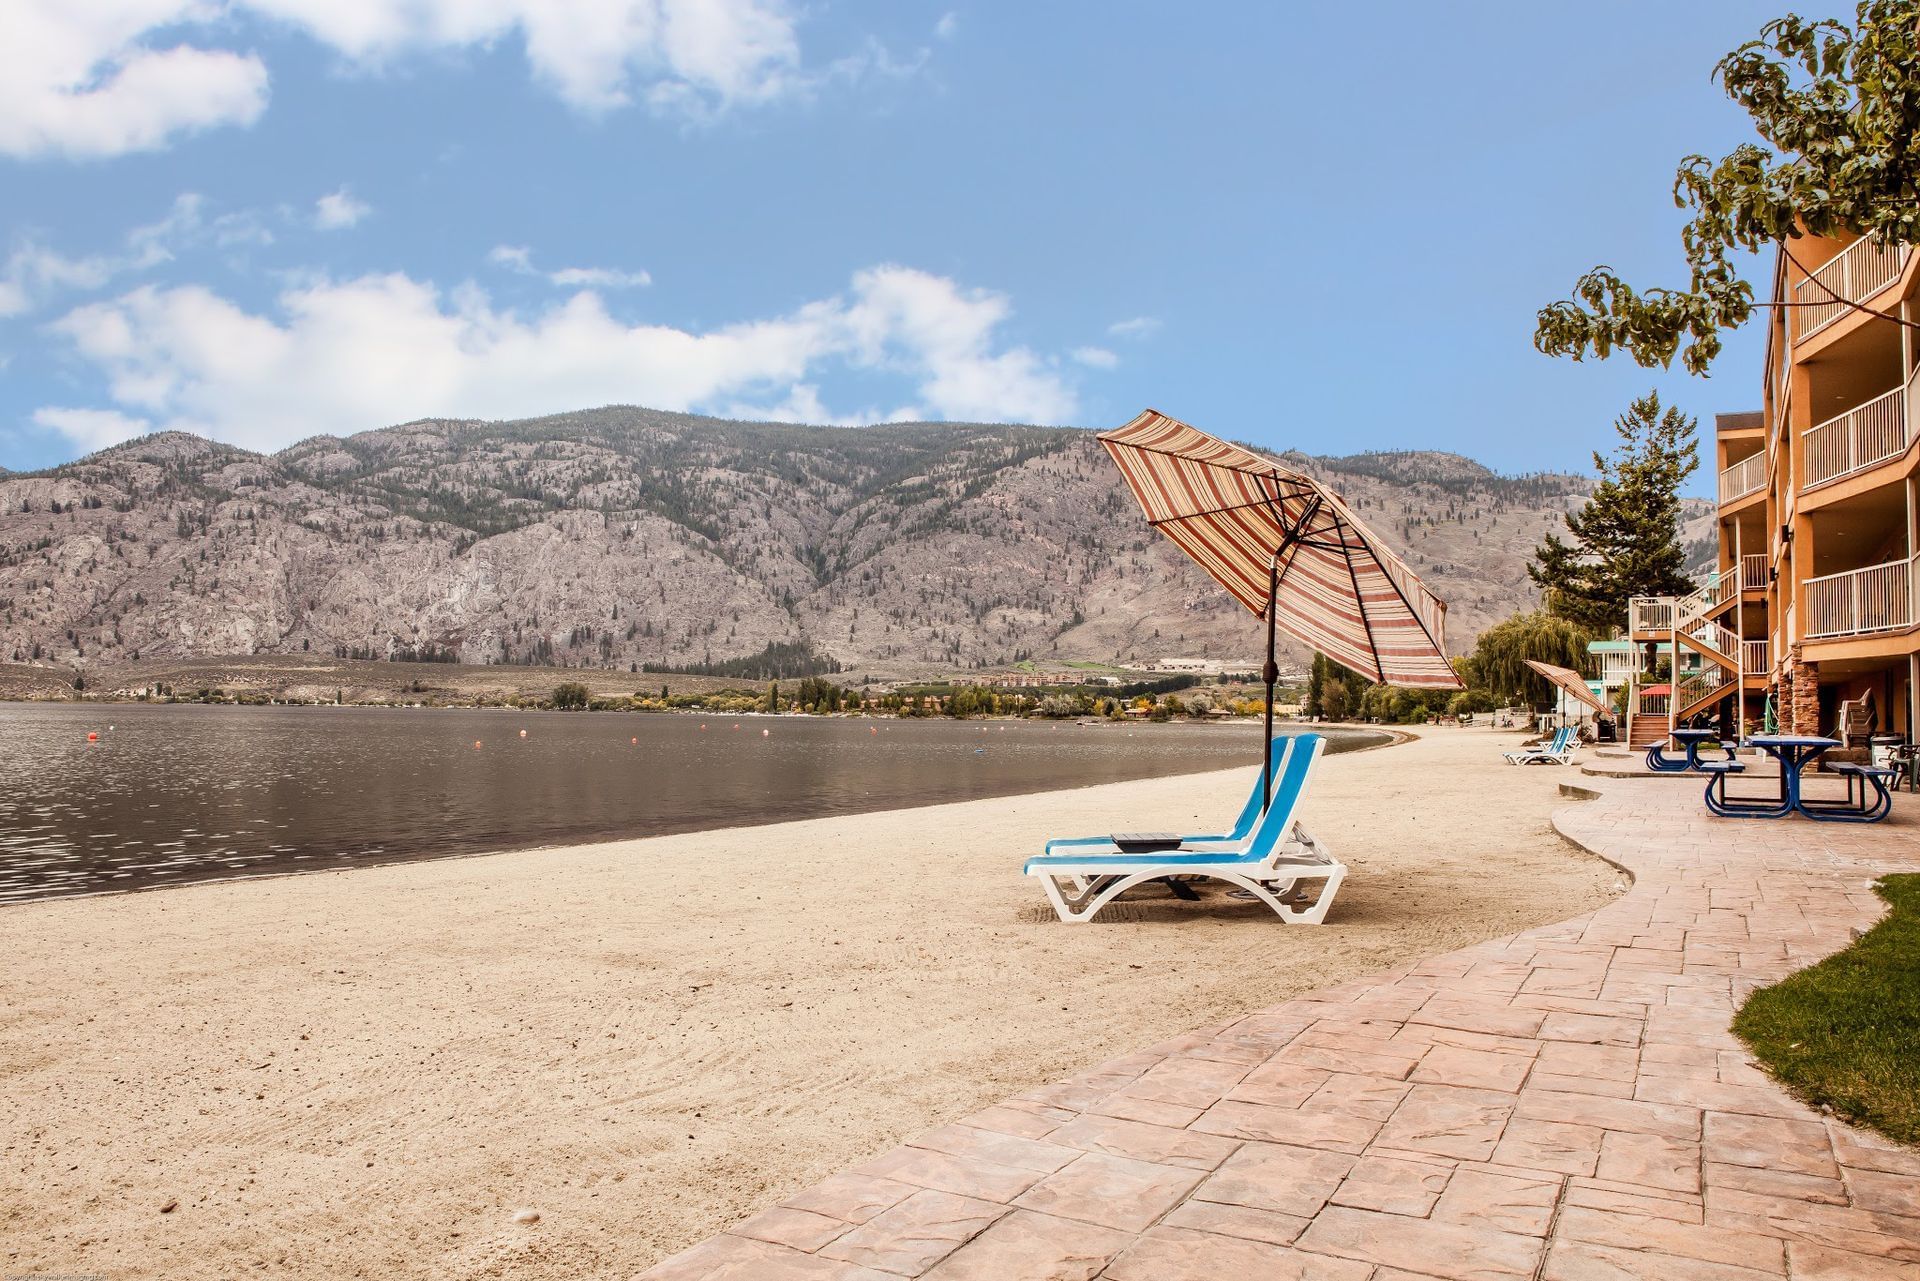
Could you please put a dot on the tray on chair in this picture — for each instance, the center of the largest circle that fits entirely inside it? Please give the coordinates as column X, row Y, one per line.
column 1145, row 842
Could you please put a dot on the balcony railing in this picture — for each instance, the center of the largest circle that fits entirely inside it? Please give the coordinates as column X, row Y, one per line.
column 1618, row 669
column 1861, row 602
column 1755, row 658
column 1748, row 476
column 1702, row 686
column 1717, row 589
column 1755, row 572
column 1650, row 614
column 1856, row 274
column 1860, row 438
column 1714, row 637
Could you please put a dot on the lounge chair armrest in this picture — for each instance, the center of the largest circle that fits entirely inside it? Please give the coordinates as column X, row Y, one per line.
column 1076, row 842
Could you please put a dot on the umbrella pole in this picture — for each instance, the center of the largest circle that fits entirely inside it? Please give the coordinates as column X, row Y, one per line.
column 1271, row 674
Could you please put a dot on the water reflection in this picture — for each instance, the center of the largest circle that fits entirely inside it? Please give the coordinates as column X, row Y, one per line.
column 177, row 794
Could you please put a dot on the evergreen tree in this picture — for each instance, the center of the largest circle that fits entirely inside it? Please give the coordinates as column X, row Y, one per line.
column 1626, row 537
column 1316, row 684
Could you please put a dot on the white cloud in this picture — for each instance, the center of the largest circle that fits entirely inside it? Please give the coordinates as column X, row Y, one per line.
column 598, row 278
column 90, row 78
column 33, row 272
column 948, row 25
column 338, row 210
column 1138, row 327
column 518, row 258
column 91, row 429
column 340, row 357
column 595, row 54
column 76, row 79
column 514, row 257
column 1096, row 357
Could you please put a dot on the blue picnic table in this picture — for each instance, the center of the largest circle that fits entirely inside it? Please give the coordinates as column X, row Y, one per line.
column 1691, row 741
column 1867, row 799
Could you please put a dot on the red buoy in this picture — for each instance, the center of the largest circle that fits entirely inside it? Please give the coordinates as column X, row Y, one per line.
column 92, row 736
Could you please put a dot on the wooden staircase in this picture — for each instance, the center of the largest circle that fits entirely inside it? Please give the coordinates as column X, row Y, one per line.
column 1646, row 731
column 1691, row 624
column 1696, row 630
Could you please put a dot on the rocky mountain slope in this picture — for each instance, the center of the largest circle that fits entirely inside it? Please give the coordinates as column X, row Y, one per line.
column 618, row 537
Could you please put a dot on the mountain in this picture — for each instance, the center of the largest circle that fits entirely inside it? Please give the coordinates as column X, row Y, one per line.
column 621, row 536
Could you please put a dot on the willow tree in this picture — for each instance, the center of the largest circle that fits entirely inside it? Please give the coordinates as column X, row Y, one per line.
column 1499, row 660
column 1837, row 109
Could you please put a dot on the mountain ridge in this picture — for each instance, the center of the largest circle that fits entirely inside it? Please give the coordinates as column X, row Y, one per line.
column 625, row 537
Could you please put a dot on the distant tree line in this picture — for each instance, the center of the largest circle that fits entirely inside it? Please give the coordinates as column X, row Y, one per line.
column 780, row 660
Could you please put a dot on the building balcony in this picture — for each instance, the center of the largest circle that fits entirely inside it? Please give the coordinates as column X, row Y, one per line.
column 1756, row 657
column 1865, row 436
column 1748, row 476
column 1756, row 572
column 1861, row 602
column 1856, row 274
column 1649, row 615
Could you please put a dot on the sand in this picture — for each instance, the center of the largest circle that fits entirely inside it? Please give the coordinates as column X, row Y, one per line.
column 368, row 1073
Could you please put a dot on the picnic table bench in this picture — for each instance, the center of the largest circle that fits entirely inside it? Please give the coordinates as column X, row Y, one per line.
column 1868, row 798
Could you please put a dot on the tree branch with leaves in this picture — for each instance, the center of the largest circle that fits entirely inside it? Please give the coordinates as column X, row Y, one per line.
column 1837, row 108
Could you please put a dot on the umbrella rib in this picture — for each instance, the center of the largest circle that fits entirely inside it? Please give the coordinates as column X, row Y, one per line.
column 1360, row 605
column 1273, row 599
column 1424, row 631
column 1262, row 501
column 1170, row 453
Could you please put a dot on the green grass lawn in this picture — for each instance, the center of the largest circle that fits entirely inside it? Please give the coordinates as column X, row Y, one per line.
column 1846, row 1032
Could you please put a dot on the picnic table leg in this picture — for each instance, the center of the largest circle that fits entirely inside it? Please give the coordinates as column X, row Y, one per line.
column 1660, row 763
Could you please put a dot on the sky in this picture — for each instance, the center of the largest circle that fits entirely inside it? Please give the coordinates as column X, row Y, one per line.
column 262, row 220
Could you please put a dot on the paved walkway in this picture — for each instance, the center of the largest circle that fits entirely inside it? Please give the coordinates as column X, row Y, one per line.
column 1565, row 1104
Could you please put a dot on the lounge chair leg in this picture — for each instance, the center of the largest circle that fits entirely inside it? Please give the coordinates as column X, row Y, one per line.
column 1314, row 914
column 1099, row 892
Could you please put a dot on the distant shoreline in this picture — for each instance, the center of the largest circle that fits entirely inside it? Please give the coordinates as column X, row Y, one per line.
column 307, row 679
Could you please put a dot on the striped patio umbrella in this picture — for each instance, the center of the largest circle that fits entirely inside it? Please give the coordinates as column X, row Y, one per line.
column 1574, row 684
column 1287, row 548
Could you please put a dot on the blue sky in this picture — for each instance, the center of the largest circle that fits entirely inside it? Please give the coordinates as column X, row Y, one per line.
column 261, row 219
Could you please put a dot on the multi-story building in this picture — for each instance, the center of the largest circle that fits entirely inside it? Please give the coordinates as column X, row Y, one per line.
column 1813, row 604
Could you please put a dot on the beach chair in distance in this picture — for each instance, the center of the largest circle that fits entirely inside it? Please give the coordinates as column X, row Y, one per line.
column 1557, row 752
column 1278, row 855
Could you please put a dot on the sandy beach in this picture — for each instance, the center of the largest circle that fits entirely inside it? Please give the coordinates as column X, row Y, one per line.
column 368, row 1073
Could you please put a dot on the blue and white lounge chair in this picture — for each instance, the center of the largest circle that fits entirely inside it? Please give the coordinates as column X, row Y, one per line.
column 1276, row 856
column 1558, row 752
column 1242, row 831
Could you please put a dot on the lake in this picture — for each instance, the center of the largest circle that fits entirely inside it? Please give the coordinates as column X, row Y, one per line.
column 176, row 794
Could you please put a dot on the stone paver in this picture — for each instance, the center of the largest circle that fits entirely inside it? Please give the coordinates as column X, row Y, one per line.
column 1566, row 1103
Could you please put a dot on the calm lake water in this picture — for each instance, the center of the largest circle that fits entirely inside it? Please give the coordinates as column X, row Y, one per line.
column 170, row 795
